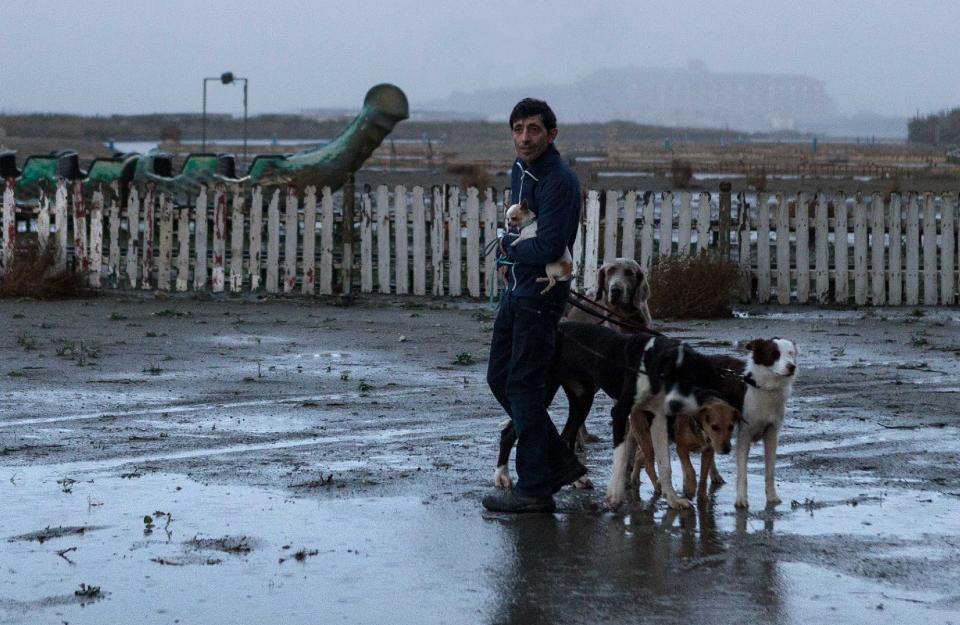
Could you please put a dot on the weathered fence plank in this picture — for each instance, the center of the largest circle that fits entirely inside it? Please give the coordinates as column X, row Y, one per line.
column 419, row 243
column 366, row 242
column 437, row 234
column 763, row 248
column 610, row 219
column 43, row 222
column 133, row 231
column 326, row 241
column 402, row 233
column 703, row 222
column 218, row 274
column 9, row 224
column 273, row 243
column 591, row 242
column 80, row 250
column 646, row 231
column 929, row 250
column 236, row 243
column 291, row 233
column 802, row 229
column 947, row 249
column 256, row 236
column 860, row 244
column 490, row 285
column 473, row 242
column 913, row 250
column 878, row 270
column 895, row 288
column 684, row 224
column 149, row 205
column 665, row 248
column 744, row 230
column 113, row 258
column 628, row 242
column 309, row 241
column 200, row 229
column 383, row 238
column 841, row 246
column 783, row 249
column 183, row 255
column 453, row 251
column 166, row 242
column 822, row 249
column 96, row 237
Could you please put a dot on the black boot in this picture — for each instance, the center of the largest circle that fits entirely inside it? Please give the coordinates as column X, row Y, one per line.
column 515, row 502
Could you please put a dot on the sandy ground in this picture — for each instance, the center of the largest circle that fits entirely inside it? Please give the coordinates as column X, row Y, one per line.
column 201, row 460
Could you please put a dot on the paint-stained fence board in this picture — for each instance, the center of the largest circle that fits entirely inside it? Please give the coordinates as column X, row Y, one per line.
column 309, row 241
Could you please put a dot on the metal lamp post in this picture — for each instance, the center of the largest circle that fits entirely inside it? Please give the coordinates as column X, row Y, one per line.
column 225, row 78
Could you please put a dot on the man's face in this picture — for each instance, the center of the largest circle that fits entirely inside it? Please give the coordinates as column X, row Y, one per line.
column 531, row 138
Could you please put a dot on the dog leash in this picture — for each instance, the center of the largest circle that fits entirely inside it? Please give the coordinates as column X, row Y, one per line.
column 611, row 316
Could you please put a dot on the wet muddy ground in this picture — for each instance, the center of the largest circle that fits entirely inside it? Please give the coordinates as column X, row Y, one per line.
column 192, row 460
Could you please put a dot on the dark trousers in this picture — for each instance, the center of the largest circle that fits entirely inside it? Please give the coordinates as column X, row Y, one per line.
column 521, row 350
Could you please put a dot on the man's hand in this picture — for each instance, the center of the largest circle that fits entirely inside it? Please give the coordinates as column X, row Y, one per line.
column 506, row 242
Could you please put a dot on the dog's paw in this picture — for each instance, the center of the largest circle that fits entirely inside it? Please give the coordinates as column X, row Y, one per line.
column 679, row 503
column 717, row 480
column 583, row 483
column 657, row 490
column 615, row 497
column 689, row 489
column 741, row 503
column 773, row 500
column 502, row 479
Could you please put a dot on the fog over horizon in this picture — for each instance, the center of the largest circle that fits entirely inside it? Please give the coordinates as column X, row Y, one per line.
column 97, row 57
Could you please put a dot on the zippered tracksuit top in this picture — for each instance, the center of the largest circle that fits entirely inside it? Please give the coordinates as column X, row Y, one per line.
column 552, row 192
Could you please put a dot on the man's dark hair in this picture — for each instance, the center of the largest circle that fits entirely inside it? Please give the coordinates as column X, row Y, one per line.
column 528, row 107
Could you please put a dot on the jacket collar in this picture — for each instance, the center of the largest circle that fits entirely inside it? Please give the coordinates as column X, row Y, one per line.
column 544, row 163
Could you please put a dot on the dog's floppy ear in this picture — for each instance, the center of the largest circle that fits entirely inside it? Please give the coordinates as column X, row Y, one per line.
column 738, row 416
column 641, row 291
column 749, row 346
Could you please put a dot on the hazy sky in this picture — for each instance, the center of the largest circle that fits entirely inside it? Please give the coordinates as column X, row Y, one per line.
column 891, row 57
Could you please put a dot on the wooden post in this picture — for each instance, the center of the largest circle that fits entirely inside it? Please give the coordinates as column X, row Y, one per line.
column 113, row 260
column 947, row 249
column 200, row 241
column 591, row 242
column 96, row 237
column 703, row 222
column 9, row 224
column 346, row 236
column 473, row 242
column 273, row 243
column 149, row 205
column 236, row 243
column 684, row 221
column 822, row 225
column 183, row 255
column 419, row 243
column 628, row 243
column 841, row 246
column 763, row 248
column 366, row 241
column 896, row 244
column 291, row 229
column 489, row 236
column 133, row 231
column 930, row 295
column 453, row 245
column 43, row 220
column 913, row 251
column 724, row 226
column 646, row 231
column 309, row 241
column 783, row 249
column 610, row 217
column 383, row 238
column 437, row 238
column 256, row 236
column 878, row 270
column 81, row 258
column 666, row 225
column 803, row 247
column 401, row 233
column 860, row 251
column 166, row 243
column 743, row 238
column 326, row 241
column 218, row 277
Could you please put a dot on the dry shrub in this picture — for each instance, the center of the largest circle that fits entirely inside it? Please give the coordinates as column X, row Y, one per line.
column 681, row 172
column 757, row 179
column 688, row 287
column 470, row 175
column 34, row 274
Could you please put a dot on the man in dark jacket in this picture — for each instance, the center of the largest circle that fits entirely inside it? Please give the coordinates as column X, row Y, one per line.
column 525, row 331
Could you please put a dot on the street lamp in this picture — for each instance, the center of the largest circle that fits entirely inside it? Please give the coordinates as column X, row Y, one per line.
column 226, row 78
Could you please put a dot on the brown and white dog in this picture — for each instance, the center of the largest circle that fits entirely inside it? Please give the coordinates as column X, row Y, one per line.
column 520, row 219
column 622, row 288
column 706, row 431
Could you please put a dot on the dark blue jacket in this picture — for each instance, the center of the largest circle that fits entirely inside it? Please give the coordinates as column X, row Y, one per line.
column 552, row 192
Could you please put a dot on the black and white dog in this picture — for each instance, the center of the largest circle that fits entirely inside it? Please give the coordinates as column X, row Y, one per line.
column 759, row 388
column 643, row 371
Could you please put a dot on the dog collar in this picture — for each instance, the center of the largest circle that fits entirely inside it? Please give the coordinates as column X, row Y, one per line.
column 749, row 379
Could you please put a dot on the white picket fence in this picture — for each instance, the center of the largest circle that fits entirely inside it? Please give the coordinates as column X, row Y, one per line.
column 896, row 250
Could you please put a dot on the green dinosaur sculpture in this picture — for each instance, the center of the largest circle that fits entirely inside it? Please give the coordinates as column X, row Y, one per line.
column 384, row 106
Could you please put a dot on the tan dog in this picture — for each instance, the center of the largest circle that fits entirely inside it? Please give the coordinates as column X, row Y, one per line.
column 622, row 288
column 520, row 219
column 707, row 431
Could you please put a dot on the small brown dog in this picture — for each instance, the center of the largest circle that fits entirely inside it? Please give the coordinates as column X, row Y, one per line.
column 706, row 431
column 520, row 219
column 622, row 288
